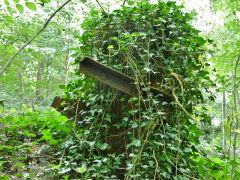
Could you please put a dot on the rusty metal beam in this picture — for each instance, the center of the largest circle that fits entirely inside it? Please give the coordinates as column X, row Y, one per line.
column 113, row 78
column 108, row 76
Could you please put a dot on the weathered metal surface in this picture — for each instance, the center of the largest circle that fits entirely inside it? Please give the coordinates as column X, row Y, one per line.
column 108, row 76
column 114, row 78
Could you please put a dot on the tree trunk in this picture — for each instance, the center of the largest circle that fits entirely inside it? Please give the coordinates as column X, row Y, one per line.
column 48, row 78
column 67, row 53
column 235, row 112
column 21, row 87
column 67, row 64
column 238, row 100
column 39, row 92
column 223, row 121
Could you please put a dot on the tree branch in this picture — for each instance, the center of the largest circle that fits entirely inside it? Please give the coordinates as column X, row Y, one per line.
column 100, row 6
column 124, row 2
column 26, row 44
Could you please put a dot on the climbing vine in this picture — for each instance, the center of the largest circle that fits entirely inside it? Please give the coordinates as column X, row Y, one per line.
column 155, row 135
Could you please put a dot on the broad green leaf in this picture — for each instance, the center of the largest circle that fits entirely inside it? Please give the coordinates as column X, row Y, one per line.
column 31, row 176
column 110, row 47
column 16, row 1
column 20, row 8
column 31, row 6
column 136, row 142
column 20, row 164
column 64, row 170
column 114, row 38
column 130, row 3
column 81, row 169
column 9, row 9
column 27, row 133
column 45, row 1
column 6, row 2
column 55, row 166
column 4, row 177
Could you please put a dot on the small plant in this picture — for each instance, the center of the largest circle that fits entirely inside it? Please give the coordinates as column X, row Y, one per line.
column 28, row 139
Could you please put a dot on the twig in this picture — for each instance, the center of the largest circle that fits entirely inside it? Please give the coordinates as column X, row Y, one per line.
column 100, row 6
column 124, row 2
column 25, row 45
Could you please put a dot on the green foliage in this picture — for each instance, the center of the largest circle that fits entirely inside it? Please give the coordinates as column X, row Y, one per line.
column 27, row 136
column 20, row 8
column 115, row 135
column 31, row 6
column 155, row 45
column 18, row 84
column 223, row 58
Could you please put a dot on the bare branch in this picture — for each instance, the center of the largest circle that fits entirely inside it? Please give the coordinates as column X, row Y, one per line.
column 100, row 6
column 26, row 44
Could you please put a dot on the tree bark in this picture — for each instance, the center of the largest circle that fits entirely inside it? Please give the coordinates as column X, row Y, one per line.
column 48, row 78
column 67, row 64
column 67, row 60
column 39, row 91
column 223, row 121
column 21, row 87
column 235, row 112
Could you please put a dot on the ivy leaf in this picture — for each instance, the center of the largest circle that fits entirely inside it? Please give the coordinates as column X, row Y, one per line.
column 200, row 40
column 202, row 73
column 31, row 6
column 114, row 38
column 110, row 47
column 130, row 3
column 81, row 169
column 104, row 146
column 150, row 31
column 136, row 142
column 20, row 8
column 65, row 170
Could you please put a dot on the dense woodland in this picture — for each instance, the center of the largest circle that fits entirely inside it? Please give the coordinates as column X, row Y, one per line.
column 120, row 89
